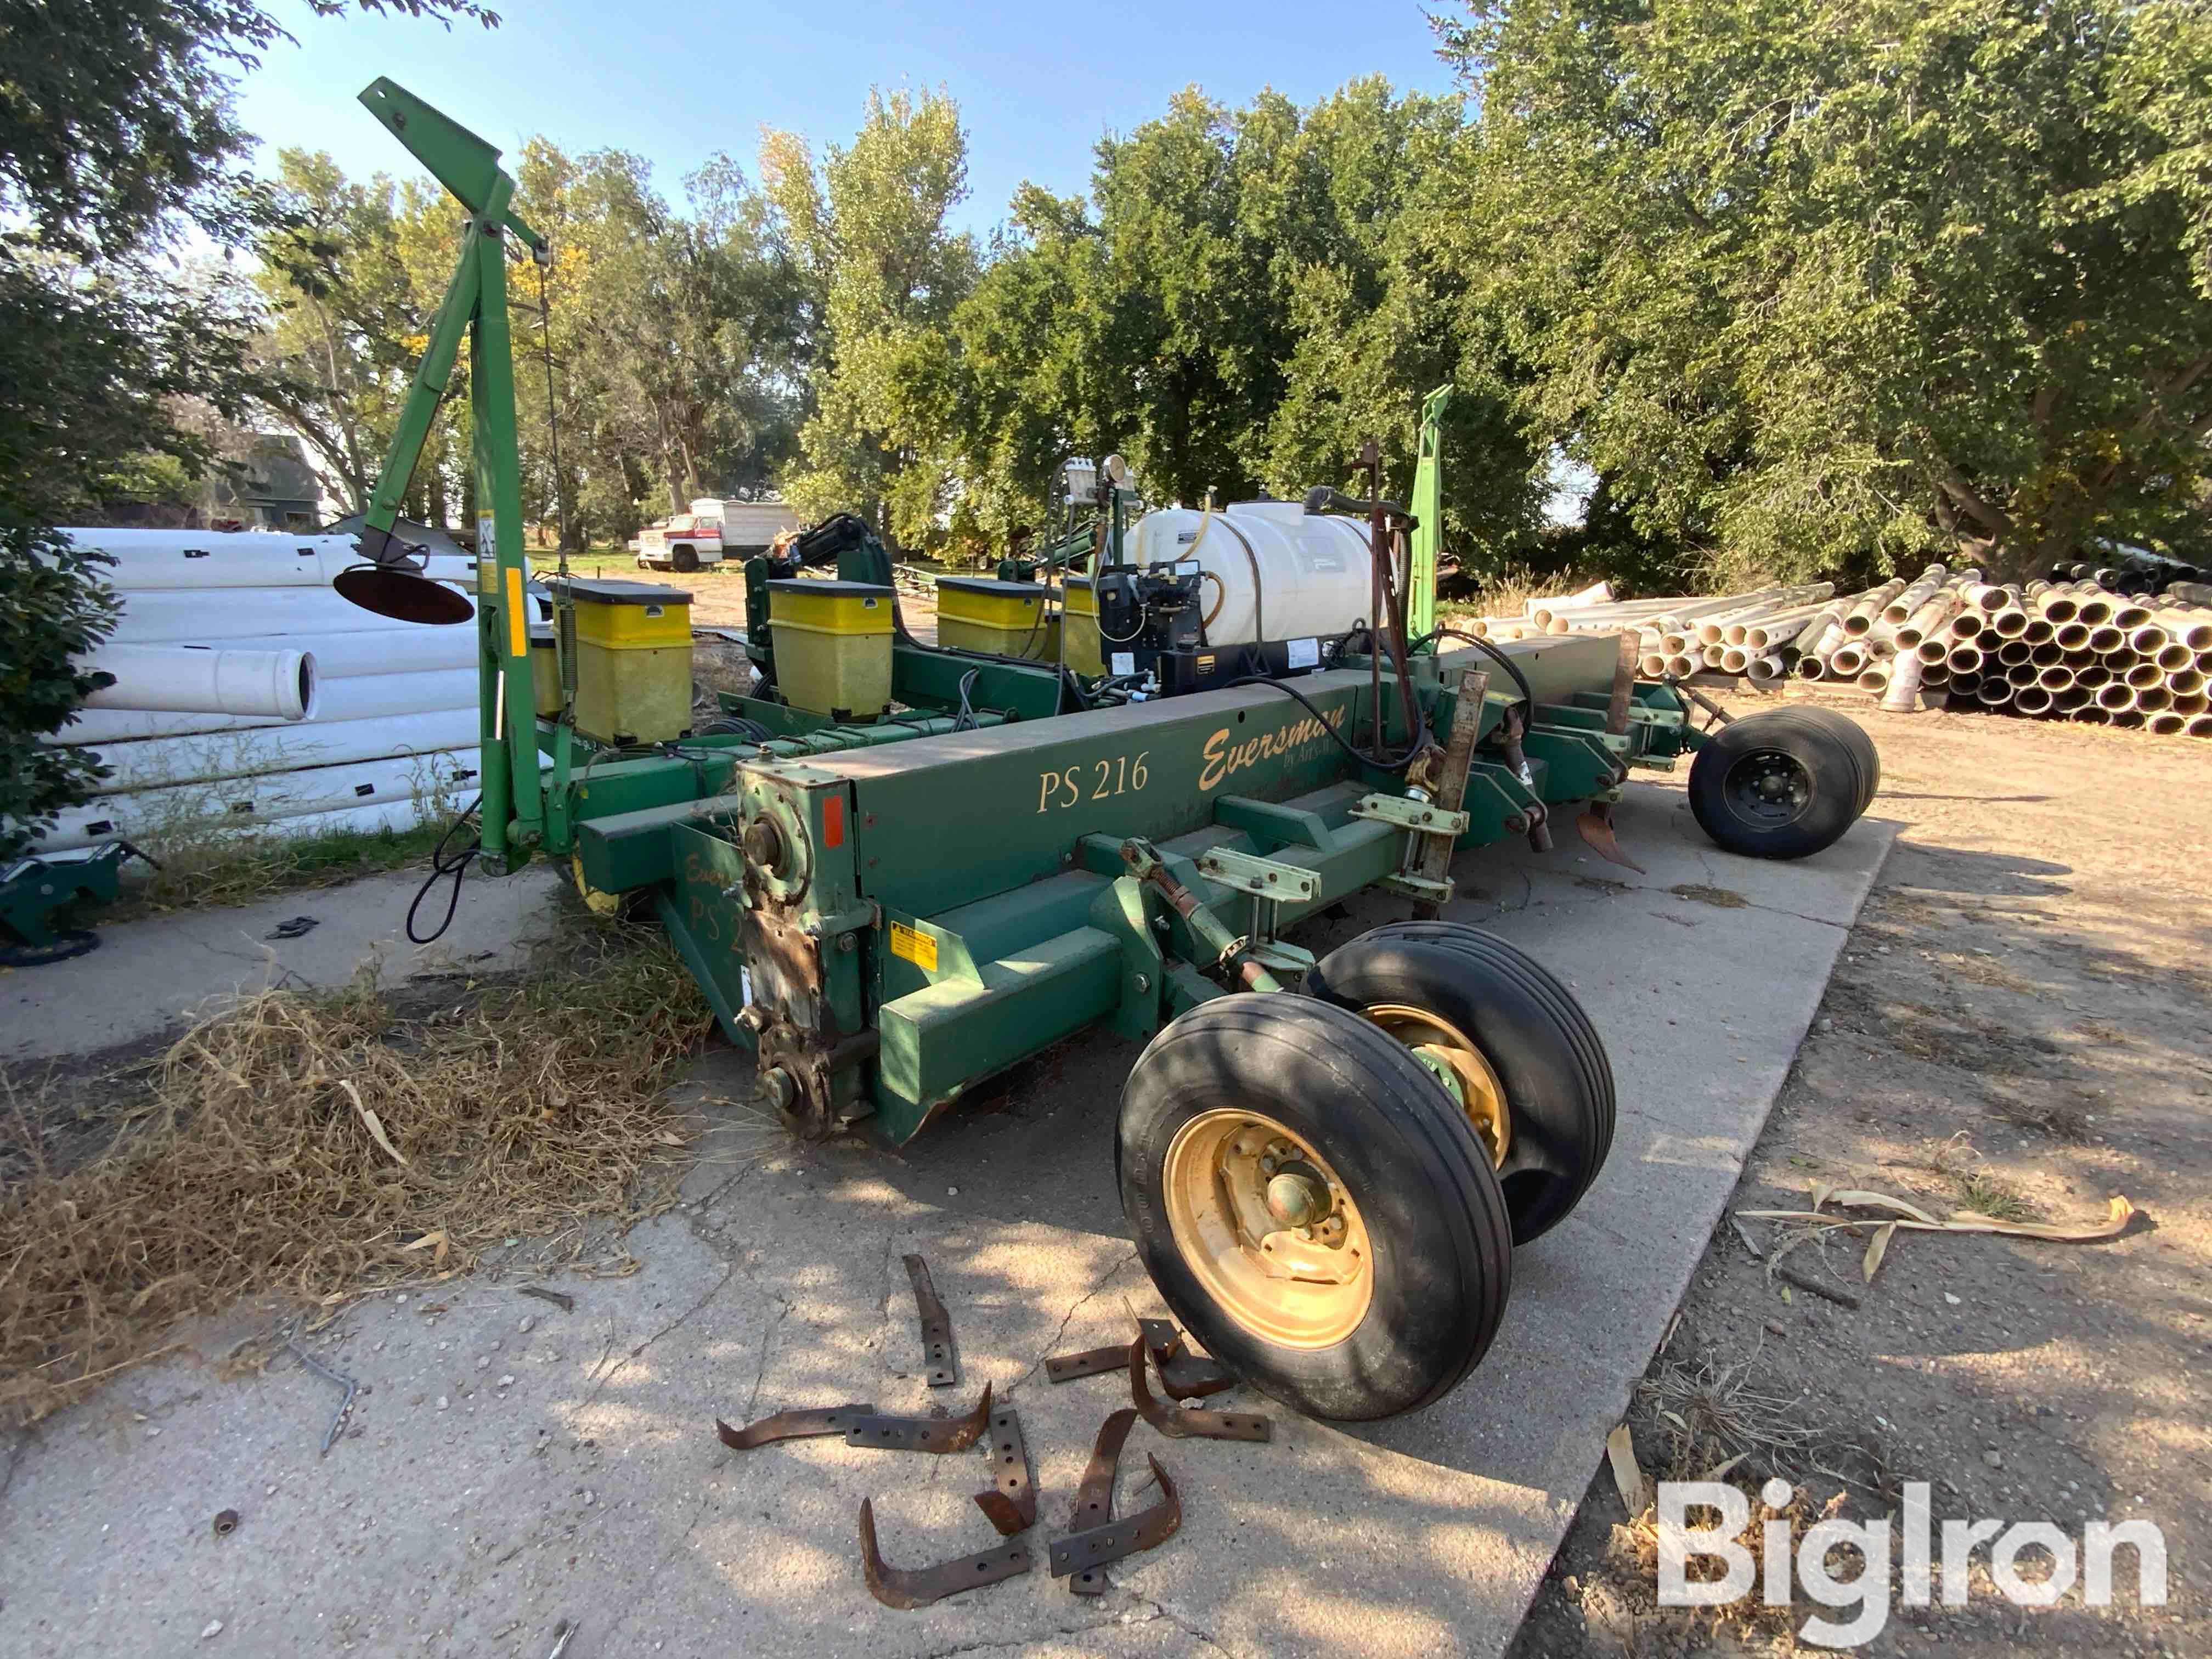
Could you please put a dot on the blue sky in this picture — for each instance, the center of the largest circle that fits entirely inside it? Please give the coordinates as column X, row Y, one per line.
column 675, row 82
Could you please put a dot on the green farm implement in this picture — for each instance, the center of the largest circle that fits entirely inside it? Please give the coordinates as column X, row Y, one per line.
column 969, row 855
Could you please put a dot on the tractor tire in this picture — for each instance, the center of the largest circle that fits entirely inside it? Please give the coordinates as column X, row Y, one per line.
column 686, row 560
column 734, row 726
column 1510, row 1042
column 1855, row 739
column 1394, row 1291
column 1774, row 786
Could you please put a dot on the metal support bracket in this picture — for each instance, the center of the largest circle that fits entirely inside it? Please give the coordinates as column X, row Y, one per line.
column 1011, row 1505
column 921, row 1434
column 1426, row 889
column 936, row 1325
column 1423, row 818
column 908, row 1588
column 1091, row 1362
column 1281, row 958
column 793, row 1425
column 1100, row 1546
column 1266, row 878
column 1186, row 1423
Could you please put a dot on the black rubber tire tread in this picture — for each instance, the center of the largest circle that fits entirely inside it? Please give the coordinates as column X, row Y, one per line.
column 1540, row 982
column 1444, row 1254
column 684, row 560
column 1855, row 736
column 1510, row 1004
column 1829, row 761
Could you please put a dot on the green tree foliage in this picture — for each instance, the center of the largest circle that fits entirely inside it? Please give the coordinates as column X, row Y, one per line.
column 672, row 338
column 341, row 310
column 1249, row 296
column 1828, row 287
column 115, row 132
column 865, row 233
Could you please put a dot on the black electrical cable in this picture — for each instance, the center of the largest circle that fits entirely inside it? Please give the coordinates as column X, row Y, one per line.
column 1506, row 662
column 1394, row 763
column 440, row 865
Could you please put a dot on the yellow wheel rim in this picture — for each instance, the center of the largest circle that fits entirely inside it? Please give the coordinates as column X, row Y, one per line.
column 1457, row 1064
column 1268, row 1229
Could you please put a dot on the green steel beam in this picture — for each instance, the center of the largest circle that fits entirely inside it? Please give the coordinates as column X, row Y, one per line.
column 1428, row 505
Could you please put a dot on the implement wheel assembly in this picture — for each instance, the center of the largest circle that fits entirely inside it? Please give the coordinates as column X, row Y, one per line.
column 1780, row 785
column 1508, row 1042
column 1319, row 1214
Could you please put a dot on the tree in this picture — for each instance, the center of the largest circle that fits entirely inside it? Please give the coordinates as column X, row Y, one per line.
column 115, row 132
column 335, row 354
column 865, row 235
column 1258, row 293
column 1837, row 288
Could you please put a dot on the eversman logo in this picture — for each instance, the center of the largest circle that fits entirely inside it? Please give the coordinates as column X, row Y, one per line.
column 1225, row 761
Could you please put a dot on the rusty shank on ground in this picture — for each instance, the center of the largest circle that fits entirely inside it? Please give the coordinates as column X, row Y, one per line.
column 896, row 1587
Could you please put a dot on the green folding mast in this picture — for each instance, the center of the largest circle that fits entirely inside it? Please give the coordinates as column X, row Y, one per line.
column 1428, row 515
column 512, row 809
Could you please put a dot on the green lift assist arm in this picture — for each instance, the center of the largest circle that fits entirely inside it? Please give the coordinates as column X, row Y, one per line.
column 1428, row 515
column 476, row 306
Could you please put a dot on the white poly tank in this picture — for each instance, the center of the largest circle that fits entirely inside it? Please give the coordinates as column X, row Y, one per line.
column 1276, row 571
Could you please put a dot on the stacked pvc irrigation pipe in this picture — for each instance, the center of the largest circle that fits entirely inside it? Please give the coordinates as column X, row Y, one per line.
column 2110, row 647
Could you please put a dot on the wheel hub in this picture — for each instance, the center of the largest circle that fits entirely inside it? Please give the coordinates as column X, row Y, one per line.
column 1268, row 1229
column 1453, row 1060
column 1768, row 787
column 1298, row 1195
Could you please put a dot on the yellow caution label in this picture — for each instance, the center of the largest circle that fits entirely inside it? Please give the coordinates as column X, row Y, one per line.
column 518, row 618
column 918, row 948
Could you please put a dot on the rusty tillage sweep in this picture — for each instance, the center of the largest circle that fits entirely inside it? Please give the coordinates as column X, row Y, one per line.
column 1094, row 1498
column 936, row 1325
column 1189, row 1425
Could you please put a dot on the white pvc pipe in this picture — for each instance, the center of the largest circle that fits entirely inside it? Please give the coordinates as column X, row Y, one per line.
column 201, row 679
column 153, row 764
column 197, row 560
column 186, row 617
column 370, row 697
column 440, row 782
column 399, row 649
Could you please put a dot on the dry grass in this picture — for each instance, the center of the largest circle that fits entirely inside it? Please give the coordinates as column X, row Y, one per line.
column 202, row 874
column 331, row 1144
column 716, row 667
column 208, row 856
column 1715, row 1412
column 1714, row 1419
column 1505, row 593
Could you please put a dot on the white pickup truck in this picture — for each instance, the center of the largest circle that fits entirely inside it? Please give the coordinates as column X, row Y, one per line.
column 713, row 531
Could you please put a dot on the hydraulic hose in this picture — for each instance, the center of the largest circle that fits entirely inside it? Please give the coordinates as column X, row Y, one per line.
column 1391, row 763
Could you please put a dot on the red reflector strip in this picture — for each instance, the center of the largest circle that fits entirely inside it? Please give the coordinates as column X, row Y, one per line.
column 833, row 821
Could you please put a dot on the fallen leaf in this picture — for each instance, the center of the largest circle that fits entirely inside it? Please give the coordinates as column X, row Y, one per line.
column 429, row 1240
column 1878, row 1247
column 1859, row 1200
column 1627, row 1473
column 375, row 1125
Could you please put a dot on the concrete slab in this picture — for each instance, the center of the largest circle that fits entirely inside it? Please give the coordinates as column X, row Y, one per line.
column 464, row 1514
column 149, row 974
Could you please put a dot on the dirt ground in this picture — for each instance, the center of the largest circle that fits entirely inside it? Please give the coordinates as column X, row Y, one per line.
column 2017, row 1026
